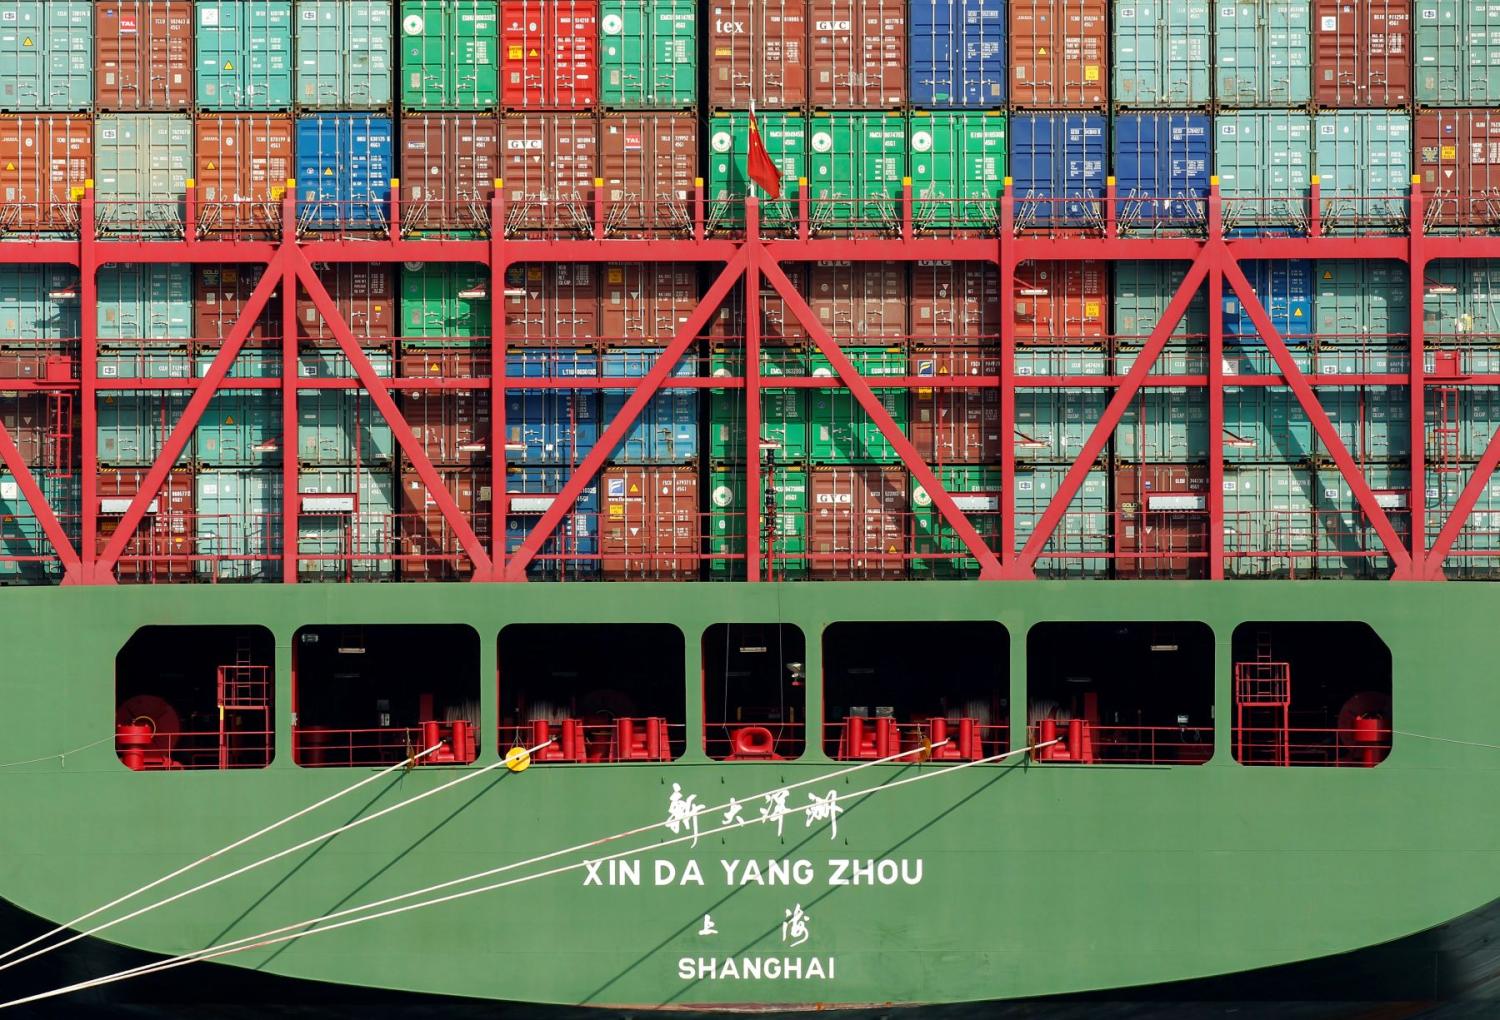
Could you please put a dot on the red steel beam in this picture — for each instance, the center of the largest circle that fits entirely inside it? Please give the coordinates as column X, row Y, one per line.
column 499, row 369
column 752, row 394
column 73, row 571
column 88, row 377
column 1416, row 263
column 687, row 333
column 1321, row 424
column 291, row 507
column 1215, row 396
column 1007, row 283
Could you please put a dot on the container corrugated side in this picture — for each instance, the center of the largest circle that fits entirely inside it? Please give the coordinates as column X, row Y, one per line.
column 856, row 163
column 345, row 162
column 140, row 302
column 937, row 551
column 346, row 524
column 785, row 138
column 1161, row 166
column 551, row 426
column 784, row 549
column 45, row 160
column 450, row 55
column 1263, row 53
column 1363, row 159
column 344, row 54
column 958, row 166
column 1457, row 53
column 1058, row 161
column 784, row 413
column 244, row 55
column 856, row 54
column 648, row 54
column 1161, row 55
column 549, row 54
column 573, row 549
column 841, row 432
column 1264, row 162
column 1059, row 53
column 143, row 55
column 666, row 430
column 444, row 302
column 1362, row 53
column 47, row 55
column 26, row 554
column 757, row 54
column 957, row 52
column 142, row 162
column 449, row 164
column 238, row 524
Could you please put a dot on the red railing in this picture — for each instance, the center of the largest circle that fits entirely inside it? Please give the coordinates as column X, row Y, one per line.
column 327, row 747
column 1364, row 745
column 871, row 738
column 575, row 741
column 143, row 749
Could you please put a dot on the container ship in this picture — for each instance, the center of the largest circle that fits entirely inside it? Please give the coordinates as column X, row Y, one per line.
column 503, row 502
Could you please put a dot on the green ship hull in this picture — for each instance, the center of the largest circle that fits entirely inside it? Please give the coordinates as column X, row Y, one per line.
column 1008, row 880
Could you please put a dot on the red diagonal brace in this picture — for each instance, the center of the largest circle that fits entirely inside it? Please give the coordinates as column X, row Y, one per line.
column 1107, row 423
column 1467, row 499
column 41, row 509
column 687, row 333
column 1321, row 424
column 380, row 394
column 197, row 403
column 989, row 566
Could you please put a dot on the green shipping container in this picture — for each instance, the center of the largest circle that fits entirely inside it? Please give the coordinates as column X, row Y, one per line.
column 341, row 427
column 856, row 162
column 1264, row 160
column 784, row 413
column 1161, row 53
column 1269, row 524
column 1363, row 159
column 1165, row 424
column 842, row 433
column 1263, row 53
column 958, row 167
column 450, row 55
column 344, row 54
column 937, row 551
column 145, row 302
column 1079, row 546
column 346, row 519
column 784, row 556
column 444, row 304
column 244, row 50
column 784, row 136
column 142, row 162
column 1347, row 543
column 1141, row 293
column 238, row 524
column 27, row 556
column 46, row 55
column 648, row 54
column 1457, row 52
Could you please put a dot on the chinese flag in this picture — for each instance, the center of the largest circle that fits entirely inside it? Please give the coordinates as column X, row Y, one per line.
column 760, row 169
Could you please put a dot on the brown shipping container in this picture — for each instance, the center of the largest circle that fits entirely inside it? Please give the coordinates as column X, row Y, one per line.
column 644, row 303
column 955, row 426
column 955, row 302
column 858, row 522
column 550, row 163
column 426, row 536
column 648, row 162
column 162, row 544
column 243, row 162
column 44, row 161
column 776, row 320
column 449, row 164
column 38, row 363
column 452, row 426
column 1362, row 52
column 1060, row 302
column 859, row 303
column 1458, row 158
column 552, row 303
column 365, row 294
column 1057, row 53
column 858, row 53
column 28, row 417
column 1161, row 512
column 143, row 55
column 757, row 52
column 220, row 294
column 650, row 529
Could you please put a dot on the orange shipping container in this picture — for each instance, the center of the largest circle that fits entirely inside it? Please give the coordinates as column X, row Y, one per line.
column 449, row 163
column 160, row 548
column 644, row 303
column 650, row 529
column 44, row 161
column 859, row 302
column 1161, row 520
column 219, row 297
column 757, row 52
column 1057, row 54
column 429, row 546
column 1362, row 53
column 143, row 55
column 243, row 162
column 648, row 162
column 858, row 53
column 365, row 294
column 549, row 164
column 858, row 522
column 553, row 303
column 1060, row 302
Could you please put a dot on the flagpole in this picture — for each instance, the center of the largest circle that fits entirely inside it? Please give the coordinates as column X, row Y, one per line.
column 754, row 129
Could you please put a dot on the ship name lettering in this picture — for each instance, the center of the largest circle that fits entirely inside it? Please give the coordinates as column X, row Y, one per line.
column 757, row 968
column 619, row 872
column 775, row 872
column 886, row 871
column 666, row 873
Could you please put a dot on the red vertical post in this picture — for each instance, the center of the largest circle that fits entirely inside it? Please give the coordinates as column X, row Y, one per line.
column 190, row 210
column 803, row 211
column 1007, row 283
column 754, row 252
column 598, row 208
column 1215, row 367
column 1315, row 207
column 88, row 380
column 906, row 209
column 395, row 225
column 698, row 226
column 290, row 497
column 498, row 457
column 1111, row 211
column 1416, row 268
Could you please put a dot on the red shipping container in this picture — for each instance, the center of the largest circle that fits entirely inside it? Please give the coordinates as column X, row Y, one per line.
column 1362, row 52
column 39, row 362
column 955, row 302
column 552, row 303
column 1060, row 302
column 1458, row 158
column 45, row 159
column 645, row 303
column 163, row 542
column 1161, row 520
column 649, row 162
column 452, row 426
column 365, row 293
column 859, row 303
column 650, row 529
column 429, row 545
column 858, row 53
column 219, row 297
column 857, row 527
column 955, row 426
column 1057, row 53
column 551, row 161
column 757, row 52
column 243, row 162
column 549, row 54
column 777, row 324
column 143, row 55
column 449, row 164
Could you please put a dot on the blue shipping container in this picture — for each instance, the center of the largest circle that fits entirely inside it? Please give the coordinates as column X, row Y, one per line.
column 344, row 169
column 666, row 431
column 1162, row 168
column 530, row 492
column 551, row 426
column 957, row 53
column 1285, row 287
column 1055, row 156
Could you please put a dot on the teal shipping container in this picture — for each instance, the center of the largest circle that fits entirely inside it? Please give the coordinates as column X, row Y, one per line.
column 1373, row 422
column 244, row 54
column 1363, row 161
column 1348, row 545
column 341, row 427
column 1473, row 412
column 856, row 162
column 1079, row 546
column 1061, row 359
column 1053, row 424
column 1267, row 424
column 1269, row 525
column 785, row 138
column 959, row 161
column 450, row 55
column 1456, row 46
column 346, row 523
column 1263, row 53
column 134, row 424
column 1264, row 161
column 1140, row 295
column 142, row 162
column 26, row 554
column 1164, row 424
column 841, row 432
column 39, row 303
column 46, row 55
column 344, row 58
column 145, row 302
column 240, row 428
column 1362, row 317
column 1467, row 559
column 1162, row 51
column 144, row 361
column 1461, row 304
column 648, row 54
column 238, row 525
